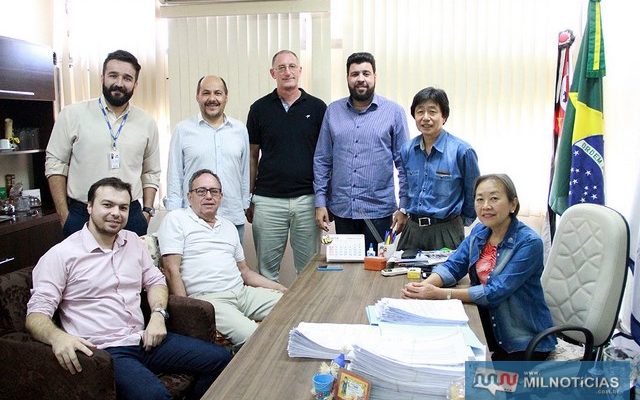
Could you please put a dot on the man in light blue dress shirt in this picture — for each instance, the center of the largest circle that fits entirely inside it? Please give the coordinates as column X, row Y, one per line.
column 215, row 141
column 359, row 144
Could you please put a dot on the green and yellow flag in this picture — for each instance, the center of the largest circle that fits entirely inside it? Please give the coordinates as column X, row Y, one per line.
column 579, row 164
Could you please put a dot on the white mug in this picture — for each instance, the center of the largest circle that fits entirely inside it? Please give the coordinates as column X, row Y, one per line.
column 5, row 144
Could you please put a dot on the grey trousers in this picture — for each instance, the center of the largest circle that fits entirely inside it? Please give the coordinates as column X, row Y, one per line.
column 433, row 237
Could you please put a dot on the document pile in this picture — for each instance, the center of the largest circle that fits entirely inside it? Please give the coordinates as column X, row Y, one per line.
column 406, row 311
column 327, row 341
column 401, row 361
column 411, row 367
column 416, row 351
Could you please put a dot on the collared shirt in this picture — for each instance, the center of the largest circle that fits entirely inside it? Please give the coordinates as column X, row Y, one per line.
column 97, row 291
column 513, row 294
column 81, row 143
column 354, row 158
column 210, row 254
column 287, row 138
column 225, row 150
column 440, row 184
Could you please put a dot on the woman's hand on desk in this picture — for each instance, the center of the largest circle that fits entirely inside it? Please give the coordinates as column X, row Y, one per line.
column 423, row 290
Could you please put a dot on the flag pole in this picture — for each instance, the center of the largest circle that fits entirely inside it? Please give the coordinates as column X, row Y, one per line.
column 563, row 79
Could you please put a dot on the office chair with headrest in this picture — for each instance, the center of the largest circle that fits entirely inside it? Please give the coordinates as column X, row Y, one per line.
column 585, row 276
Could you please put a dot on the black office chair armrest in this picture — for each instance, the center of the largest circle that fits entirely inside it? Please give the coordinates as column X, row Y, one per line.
column 588, row 343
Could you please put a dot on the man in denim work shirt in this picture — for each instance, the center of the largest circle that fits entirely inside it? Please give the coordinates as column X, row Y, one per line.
column 437, row 200
column 359, row 144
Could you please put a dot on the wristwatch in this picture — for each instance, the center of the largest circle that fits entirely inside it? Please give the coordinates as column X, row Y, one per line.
column 149, row 210
column 162, row 311
column 402, row 210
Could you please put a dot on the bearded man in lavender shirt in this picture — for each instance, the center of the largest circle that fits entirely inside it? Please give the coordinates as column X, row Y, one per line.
column 359, row 144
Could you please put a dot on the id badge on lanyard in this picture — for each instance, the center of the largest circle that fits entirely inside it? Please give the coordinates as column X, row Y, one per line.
column 114, row 154
column 114, row 159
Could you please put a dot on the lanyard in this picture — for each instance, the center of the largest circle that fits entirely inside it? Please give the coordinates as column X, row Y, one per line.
column 114, row 138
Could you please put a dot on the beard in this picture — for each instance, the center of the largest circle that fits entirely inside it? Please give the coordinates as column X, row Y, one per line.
column 103, row 227
column 113, row 100
column 366, row 96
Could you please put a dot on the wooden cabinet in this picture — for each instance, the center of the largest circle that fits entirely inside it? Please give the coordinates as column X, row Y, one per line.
column 27, row 96
column 26, row 70
column 24, row 241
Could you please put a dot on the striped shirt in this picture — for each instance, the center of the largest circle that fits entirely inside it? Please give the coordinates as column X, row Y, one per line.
column 354, row 158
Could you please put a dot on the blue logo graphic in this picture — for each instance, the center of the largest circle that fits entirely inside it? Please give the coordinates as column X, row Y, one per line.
column 604, row 380
column 495, row 380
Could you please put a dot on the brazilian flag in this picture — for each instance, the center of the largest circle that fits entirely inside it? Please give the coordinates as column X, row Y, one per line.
column 579, row 165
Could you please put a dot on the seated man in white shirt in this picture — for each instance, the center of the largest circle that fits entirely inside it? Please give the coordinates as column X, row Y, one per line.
column 203, row 258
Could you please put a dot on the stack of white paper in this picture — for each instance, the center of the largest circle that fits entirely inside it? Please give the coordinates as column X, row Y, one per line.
column 327, row 341
column 405, row 360
column 409, row 311
column 475, row 350
column 411, row 367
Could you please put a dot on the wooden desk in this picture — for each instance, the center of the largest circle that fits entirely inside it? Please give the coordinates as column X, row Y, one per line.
column 263, row 370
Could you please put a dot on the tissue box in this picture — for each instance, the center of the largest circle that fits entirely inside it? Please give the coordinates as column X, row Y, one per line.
column 375, row 263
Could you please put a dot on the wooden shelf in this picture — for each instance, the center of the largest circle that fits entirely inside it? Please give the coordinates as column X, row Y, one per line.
column 27, row 95
column 24, row 221
column 26, row 239
column 15, row 152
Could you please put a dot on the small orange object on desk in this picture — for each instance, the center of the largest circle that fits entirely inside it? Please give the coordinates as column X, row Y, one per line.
column 375, row 263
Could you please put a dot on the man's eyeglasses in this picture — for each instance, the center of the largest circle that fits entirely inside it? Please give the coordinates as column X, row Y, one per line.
column 282, row 68
column 201, row 191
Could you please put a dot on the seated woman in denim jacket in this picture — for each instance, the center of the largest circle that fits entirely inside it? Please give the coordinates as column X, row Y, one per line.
column 503, row 258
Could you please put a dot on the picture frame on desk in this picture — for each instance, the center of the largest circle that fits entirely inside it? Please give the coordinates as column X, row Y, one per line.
column 351, row 386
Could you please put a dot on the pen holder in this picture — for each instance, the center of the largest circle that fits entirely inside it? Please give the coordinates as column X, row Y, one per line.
column 387, row 250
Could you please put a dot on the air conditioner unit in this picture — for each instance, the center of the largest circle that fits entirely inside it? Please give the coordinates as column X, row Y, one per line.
column 172, row 2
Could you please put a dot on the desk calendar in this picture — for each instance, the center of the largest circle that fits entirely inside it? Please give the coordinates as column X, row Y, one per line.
column 346, row 248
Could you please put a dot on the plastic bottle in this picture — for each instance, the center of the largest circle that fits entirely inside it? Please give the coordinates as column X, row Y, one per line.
column 371, row 252
column 456, row 390
column 8, row 128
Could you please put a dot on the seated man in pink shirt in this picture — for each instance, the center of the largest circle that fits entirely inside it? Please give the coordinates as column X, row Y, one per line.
column 94, row 278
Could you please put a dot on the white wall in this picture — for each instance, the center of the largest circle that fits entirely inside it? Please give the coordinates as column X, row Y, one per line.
column 30, row 20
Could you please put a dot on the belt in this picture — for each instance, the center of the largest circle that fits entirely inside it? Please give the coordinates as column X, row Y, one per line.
column 427, row 221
